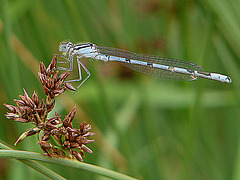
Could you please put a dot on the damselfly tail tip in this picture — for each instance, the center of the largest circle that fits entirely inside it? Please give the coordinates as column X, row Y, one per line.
column 216, row 77
column 225, row 79
column 228, row 79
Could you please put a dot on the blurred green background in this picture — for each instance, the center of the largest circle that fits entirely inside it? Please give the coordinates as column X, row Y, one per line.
column 146, row 127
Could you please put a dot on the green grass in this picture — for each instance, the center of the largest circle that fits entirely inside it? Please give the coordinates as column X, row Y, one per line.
column 146, row 127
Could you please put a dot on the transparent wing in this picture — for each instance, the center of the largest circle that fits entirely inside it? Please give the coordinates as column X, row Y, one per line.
column 154, row 59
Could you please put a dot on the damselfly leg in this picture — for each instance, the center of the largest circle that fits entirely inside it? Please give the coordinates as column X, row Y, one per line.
column 80, row 64
column 68, row 60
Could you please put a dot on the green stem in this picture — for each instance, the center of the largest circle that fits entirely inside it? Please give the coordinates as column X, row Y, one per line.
column 24, row 155
column 38, row 167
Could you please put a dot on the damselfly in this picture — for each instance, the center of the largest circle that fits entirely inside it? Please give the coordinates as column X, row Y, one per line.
column 148, row 64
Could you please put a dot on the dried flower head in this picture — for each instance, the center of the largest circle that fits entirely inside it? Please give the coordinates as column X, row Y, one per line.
column 56, row 137
column 29, row 109
column 52, row 82
column 67, row 137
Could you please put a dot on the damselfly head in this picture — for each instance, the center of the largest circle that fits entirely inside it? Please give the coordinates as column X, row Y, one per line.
column 65, row 46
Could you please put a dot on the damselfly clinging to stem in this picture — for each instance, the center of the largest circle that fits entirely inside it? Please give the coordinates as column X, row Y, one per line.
column 148, row 64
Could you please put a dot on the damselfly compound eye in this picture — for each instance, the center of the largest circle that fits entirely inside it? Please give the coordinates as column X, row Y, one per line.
column 65, row 46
